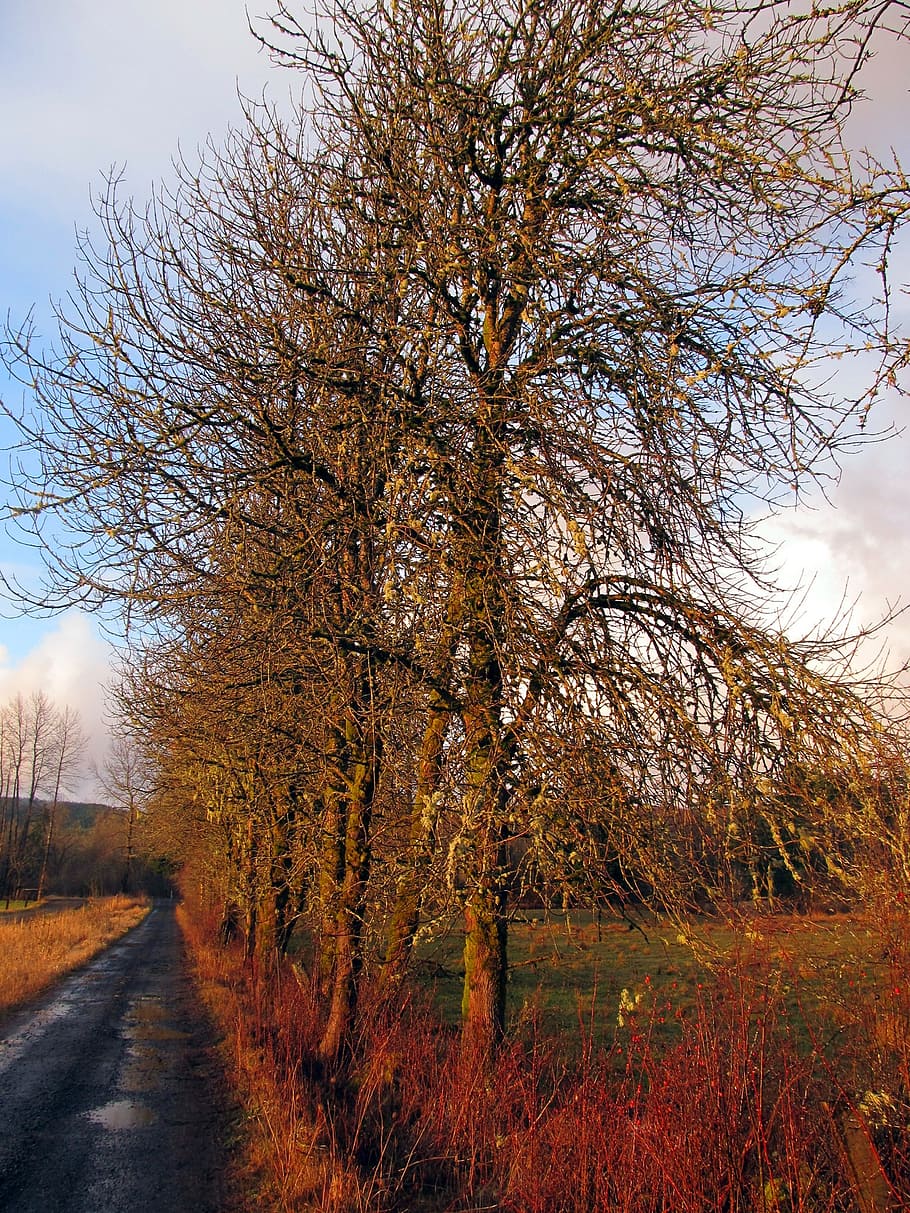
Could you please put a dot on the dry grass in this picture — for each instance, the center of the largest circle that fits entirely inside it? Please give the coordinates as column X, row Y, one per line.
column 279, row 1162
column 37, row 950
column 765, row 1098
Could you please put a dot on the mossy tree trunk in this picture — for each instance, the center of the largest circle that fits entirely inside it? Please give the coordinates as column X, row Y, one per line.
column 330, row 819
column 405, row 917
column 364, row 756
column 486, row 758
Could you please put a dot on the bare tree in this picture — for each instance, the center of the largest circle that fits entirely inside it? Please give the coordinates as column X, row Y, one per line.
column 127, row 778
column 40, row 748
column 475, row 381
column 631, row 232
column 68, row 752
column 14, row 745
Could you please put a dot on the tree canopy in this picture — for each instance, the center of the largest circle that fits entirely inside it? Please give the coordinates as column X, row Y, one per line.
column 423, row 434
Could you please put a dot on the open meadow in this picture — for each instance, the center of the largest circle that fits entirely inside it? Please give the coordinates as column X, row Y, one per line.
column 37, row 949
column 762, row 1065
column 584, row 978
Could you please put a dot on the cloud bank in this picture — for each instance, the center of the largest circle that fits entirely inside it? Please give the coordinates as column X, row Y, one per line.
column 852, row 550
column 71, row 664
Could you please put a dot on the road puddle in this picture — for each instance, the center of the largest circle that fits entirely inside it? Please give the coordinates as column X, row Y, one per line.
column 150, row 1041
column 122, row 1114
column 149, row 1019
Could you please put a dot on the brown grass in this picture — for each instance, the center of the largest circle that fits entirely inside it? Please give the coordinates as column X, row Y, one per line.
column 279, row 1162
column 765, row 1099
column 37, row 950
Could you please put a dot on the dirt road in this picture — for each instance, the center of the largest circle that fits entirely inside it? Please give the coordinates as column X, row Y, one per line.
column 106, row 1089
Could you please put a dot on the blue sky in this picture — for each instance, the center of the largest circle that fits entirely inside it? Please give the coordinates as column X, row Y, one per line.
column 91, row 85
column 87, row 86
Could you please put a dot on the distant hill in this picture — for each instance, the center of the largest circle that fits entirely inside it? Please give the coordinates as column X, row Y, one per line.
column 84, row 814
column 77, row 813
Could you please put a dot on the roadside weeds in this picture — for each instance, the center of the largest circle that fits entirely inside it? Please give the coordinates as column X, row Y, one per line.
column 742, row 1108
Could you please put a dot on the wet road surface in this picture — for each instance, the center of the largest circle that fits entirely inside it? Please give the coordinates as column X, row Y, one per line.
column 106, row 1101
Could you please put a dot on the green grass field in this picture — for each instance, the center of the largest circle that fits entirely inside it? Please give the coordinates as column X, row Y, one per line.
column 585, row 980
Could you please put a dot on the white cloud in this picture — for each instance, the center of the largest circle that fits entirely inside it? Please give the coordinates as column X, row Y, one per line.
column 88, row 84
column 71, row 664
column 853, row 550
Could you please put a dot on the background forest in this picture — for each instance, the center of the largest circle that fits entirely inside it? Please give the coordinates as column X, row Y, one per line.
column 50, row 844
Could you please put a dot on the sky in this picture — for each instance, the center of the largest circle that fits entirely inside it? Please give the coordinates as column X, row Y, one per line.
column 87, row 86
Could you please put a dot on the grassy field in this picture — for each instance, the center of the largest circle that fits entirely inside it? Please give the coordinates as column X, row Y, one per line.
column 578, row 978
column 37, row 950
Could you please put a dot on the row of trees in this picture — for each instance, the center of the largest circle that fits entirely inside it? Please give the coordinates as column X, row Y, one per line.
column 48, row 843
column 41, row 749
column 420, row 438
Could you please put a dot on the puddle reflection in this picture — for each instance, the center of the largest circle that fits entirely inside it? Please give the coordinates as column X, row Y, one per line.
column 122, row 1114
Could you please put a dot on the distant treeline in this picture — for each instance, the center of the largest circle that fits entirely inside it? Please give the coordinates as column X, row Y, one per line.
column 87, row 855
column 49, row 844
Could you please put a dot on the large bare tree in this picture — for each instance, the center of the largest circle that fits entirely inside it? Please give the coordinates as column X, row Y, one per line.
column 476, row 380
column 630, row 231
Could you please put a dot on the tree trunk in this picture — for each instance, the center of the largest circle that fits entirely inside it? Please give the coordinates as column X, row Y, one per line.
column 483, row 1005
column 486, row 756
column 405, row 918
column 331, row 861
column 126, row 885
column 51, row 826
column 364, row 750
column 251, row 892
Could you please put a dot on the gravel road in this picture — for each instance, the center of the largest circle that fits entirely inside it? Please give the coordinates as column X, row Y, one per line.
column 106, row 1089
